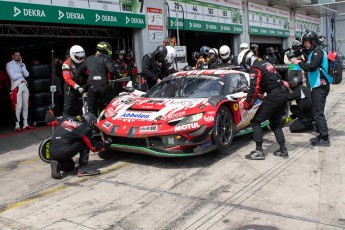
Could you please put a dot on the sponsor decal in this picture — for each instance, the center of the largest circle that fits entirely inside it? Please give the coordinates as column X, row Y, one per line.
column 211, row 112
column 107, row 124
column 135, row 115
column 209, row 118
column 235, row 106
column 175, row 115
column 186, row 127
column 152, row 128
column 69, row 125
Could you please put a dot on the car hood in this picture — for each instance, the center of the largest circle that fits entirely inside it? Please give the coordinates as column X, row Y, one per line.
column 150, row 109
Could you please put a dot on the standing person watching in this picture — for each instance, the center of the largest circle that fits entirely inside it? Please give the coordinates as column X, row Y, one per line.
column 264, row 79
column 319, row 81
column 17, row 71
column 154, row 66
column 99, row 65
column 73, row 72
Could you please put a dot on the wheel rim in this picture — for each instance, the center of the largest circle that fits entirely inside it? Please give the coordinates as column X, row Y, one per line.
column 224, row 128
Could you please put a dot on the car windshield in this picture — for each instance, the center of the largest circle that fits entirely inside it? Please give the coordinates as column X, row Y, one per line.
column 192, row 86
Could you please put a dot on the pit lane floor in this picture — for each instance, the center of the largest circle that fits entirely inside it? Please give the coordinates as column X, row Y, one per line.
column 212, row 191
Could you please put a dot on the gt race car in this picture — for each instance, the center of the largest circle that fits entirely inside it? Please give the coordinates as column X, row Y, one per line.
column 188, row 113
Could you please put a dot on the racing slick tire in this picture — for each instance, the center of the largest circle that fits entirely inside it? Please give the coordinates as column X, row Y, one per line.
column 43, row 150
column 223, row 130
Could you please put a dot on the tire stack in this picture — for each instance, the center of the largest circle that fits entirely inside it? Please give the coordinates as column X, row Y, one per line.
column 39, row 83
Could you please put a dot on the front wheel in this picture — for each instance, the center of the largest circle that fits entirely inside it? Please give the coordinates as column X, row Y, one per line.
column 223, row 130
column 43, row 150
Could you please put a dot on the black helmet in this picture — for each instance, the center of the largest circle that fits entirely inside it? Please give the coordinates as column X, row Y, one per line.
column 160, row 53
column 187, row 68
column 295, row 81
column 105, row 48
column 254, row 45
column 196, row 55
column 90, row 119
column 270, row 50
column 310, row 36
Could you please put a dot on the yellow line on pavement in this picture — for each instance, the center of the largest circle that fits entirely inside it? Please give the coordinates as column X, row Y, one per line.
column 56, row 189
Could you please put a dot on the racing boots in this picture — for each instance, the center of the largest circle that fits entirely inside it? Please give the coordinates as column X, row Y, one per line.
column 256, row 155
column 86, row 171
column 320, row 141
column 56, row 169
column 282, row 152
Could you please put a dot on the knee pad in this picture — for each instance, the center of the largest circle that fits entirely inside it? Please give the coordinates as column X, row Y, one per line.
column 68, row 165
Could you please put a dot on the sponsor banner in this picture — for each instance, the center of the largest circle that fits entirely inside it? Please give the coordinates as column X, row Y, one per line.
column 68, row 15
column 224, row 16
column 195, row 25
column 152, row 128
column 270, row 32
column 303, row 22
column 209, row 119
column 264, row 20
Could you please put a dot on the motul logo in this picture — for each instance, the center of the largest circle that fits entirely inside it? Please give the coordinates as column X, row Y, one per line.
column 186, row 127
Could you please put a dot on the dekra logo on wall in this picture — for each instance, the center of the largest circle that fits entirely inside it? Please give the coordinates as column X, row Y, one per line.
column 28, row 12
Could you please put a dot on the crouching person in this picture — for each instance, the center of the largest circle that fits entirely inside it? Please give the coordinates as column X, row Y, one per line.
column 303, row 108
column 72, row 135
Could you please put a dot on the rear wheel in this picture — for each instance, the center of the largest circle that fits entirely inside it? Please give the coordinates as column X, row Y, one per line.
column 223, row 130
column 43, row 150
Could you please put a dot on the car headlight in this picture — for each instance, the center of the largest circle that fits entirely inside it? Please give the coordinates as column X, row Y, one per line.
column 191, row 119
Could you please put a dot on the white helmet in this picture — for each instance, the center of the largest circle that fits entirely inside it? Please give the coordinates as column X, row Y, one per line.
column 224, row 52
column 171, row 54
column 77, row 54
column 245, row 58
column 244, row 46
column 213, row 51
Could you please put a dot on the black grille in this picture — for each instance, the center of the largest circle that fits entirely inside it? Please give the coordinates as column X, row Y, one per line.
column 141, row 142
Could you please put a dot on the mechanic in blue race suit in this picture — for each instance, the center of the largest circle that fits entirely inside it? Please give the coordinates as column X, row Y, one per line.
column 264, row 79
column 319, row 81
column 154, row 67
column 303, row 108
column 99, row 65
column 72, row 135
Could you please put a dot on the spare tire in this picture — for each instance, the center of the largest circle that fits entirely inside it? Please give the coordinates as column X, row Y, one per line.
column 40, row 71
column 37, row 114
column 39, row 85
column 40, row 99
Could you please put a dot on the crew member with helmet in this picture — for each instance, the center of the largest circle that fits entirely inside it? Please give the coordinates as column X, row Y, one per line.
column 213, row 62
column 204, row 50
column 154, row 67
column 270, row 56
column 131, row 69
column 120, row 66
column 72, row 135
column 224, row 53
column 264, row 79
column 199, row 60
column 303, row 108
column 74, row 74
column 244, row 46
column 99, row 65
column 319, row 81
column 170, row 59
column 255, row 49
column 294, row 69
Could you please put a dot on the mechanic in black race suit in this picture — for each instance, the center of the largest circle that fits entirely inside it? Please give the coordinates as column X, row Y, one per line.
column 99, row 65
column 154, row 67
column 74, row 74
column 303, row 108
column 319, row 82
column 72, row 135
column 264, row 79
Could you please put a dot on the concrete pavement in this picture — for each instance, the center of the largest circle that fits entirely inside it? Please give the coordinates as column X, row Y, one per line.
column 212, row 191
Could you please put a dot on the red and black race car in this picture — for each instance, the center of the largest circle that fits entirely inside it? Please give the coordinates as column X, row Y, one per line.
column 188, row 113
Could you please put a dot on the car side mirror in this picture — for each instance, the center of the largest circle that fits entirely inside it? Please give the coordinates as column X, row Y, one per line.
column 129, row 89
